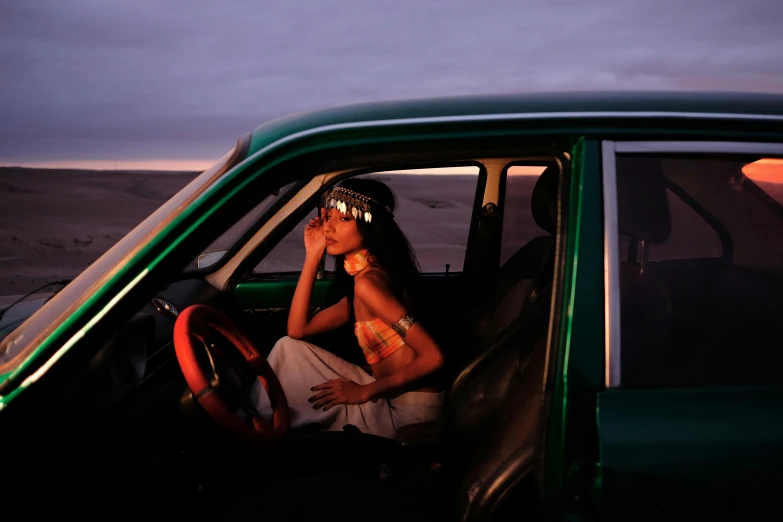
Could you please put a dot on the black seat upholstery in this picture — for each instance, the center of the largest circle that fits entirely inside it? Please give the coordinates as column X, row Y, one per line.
column 492, row 421
column 495, row 402
column 522, row 277
column 523, row 280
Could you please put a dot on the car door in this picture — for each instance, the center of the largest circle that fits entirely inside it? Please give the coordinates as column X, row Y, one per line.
column 690, row 422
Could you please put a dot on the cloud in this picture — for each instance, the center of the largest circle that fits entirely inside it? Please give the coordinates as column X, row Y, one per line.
column 182, row 79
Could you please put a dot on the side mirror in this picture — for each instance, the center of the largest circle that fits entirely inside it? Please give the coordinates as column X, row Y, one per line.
column 209, row 258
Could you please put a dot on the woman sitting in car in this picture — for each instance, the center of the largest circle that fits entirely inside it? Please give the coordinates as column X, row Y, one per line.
column 375, row 261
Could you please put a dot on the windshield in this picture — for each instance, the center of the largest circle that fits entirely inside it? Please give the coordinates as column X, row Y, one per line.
column 17, row 346
column 230, row 237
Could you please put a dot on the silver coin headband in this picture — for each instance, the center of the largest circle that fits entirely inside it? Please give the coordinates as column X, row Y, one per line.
column 342, row 199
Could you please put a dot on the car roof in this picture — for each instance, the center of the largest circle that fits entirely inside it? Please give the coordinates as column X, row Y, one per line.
column 582, row 105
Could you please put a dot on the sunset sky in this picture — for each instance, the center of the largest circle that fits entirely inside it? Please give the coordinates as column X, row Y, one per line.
column 765, row 169
column 172, row 84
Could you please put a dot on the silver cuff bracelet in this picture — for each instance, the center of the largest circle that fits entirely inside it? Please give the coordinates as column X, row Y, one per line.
column 402, row 326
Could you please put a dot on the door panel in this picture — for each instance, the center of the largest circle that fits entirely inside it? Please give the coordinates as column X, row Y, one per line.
column 698, row 453
column 268, row 294
column 262, row 306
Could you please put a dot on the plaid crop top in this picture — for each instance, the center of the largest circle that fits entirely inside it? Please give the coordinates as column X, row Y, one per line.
column 377, row 339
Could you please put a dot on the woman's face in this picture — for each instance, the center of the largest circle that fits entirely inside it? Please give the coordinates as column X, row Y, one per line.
column 342, row 234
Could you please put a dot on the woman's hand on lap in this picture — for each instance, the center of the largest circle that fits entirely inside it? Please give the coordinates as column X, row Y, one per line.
column 338, row 391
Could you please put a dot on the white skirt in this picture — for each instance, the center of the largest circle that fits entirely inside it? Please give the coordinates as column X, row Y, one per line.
column 300, row 365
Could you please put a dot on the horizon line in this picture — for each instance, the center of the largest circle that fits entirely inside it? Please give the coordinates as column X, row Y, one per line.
column 111, row 165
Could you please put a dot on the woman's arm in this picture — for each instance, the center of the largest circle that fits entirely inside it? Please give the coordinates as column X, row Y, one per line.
column 327, row 319
column 373, row 291
column 300, row 324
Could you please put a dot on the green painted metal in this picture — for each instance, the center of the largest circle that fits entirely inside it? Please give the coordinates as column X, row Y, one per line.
column 584, row 369
column 691, row 452
column 499, row 105
column 276, row 293
column 571, row 443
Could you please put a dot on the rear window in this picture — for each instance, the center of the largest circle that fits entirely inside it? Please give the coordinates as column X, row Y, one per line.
column 701, row 270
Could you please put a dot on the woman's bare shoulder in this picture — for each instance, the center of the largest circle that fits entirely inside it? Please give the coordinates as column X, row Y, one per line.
column 372, row 280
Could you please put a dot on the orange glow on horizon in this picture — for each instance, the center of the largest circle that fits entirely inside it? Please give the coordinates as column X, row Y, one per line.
column 525, row 170
column 173, row 165
column 769, row 170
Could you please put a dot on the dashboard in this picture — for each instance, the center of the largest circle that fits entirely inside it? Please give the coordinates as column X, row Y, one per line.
column 143, row 347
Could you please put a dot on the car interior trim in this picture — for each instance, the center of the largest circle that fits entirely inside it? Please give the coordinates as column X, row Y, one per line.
column 495, row 167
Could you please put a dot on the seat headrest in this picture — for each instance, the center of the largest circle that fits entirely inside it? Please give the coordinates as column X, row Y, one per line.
column 642, row 203
column 543, row 202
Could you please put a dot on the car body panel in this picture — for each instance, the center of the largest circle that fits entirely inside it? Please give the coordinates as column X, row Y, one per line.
column 681, row 452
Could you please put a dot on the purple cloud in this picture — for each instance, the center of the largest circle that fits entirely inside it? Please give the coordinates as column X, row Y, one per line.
column 182, row 79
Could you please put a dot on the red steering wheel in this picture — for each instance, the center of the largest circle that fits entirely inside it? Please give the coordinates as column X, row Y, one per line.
column 221, row 389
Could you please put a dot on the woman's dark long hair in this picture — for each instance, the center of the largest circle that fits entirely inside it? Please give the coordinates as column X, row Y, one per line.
column 384, row 239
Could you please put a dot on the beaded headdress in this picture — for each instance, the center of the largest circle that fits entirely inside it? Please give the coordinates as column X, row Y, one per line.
column 344, row 199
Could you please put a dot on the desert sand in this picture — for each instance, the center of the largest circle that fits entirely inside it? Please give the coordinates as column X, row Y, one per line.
column 55, row 223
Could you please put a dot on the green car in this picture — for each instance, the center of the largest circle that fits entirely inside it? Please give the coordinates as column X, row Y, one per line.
column 603, row 271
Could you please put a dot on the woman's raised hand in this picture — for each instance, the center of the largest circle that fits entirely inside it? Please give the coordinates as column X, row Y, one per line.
column 314, row 238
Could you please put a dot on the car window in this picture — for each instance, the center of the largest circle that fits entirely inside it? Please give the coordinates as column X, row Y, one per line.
column 767, row 173
column 519, row 227
column 691, row 235
column 434, row 208
column 713, row 317
column 232, row 235
column 15, row 347
column 288, row 255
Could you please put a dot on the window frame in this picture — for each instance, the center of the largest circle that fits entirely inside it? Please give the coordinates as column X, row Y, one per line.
column 535, row 161
column 609, row 151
